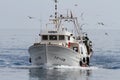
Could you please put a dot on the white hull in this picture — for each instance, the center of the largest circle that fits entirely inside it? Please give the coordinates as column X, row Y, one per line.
column 53, row 55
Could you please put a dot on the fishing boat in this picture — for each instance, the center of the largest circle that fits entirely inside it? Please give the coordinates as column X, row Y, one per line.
column 63, row 44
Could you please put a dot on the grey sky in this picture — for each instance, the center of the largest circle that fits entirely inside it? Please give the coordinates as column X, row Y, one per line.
column 13, row 13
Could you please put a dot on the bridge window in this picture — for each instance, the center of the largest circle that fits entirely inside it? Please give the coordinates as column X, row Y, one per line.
column 68, row 37
column 53, row 37
column 61, row 37
column 45, row 37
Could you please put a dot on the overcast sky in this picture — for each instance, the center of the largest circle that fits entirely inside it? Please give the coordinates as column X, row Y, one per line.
column 13, row 13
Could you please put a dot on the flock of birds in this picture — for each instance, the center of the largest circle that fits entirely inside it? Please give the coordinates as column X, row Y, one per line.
column 99, row 23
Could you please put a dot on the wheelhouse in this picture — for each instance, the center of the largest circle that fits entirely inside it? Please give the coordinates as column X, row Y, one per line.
column 56, row 37
column 52, row 37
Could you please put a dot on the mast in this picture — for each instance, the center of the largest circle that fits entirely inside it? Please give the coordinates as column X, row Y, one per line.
column 55, row 9
column 56, row 14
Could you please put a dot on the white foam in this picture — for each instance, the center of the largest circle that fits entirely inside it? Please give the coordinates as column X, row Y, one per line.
column 75, row 67
column 56, row 67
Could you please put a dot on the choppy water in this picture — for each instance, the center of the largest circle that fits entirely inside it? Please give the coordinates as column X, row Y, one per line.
column 14, row 64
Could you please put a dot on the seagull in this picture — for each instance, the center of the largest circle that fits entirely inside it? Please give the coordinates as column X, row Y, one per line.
column 82, row 25
column 55, row 1
column 51, row 15
column 75, row 5
column 101, row 23
column 82, row 15
column 30, row 17
column 106, row 33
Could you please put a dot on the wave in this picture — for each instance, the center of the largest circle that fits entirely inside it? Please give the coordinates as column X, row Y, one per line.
column 55, row 67
column 106, row 59
column 75, row 67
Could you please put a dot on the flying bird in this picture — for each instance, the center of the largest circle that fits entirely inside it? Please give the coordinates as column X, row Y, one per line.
column 51, row 15
column 30, row 17
column 55, row 1
column 101, row 23
column 75, row 5
column 82, row 15
column 106, row 34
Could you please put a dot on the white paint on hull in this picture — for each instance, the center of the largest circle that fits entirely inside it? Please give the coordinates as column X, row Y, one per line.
column 53, row 55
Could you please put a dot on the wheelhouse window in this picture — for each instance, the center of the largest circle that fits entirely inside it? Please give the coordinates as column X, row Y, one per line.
column 44, row 37
column 61, row 37
column 53, row 37
column 68, row 37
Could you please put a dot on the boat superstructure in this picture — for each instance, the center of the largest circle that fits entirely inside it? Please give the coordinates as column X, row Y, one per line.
column 62, row 45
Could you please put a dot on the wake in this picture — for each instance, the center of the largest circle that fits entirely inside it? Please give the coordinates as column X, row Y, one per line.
column 55, row 67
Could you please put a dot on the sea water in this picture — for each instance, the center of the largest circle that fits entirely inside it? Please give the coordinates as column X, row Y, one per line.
column 14, row 57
